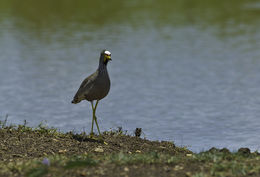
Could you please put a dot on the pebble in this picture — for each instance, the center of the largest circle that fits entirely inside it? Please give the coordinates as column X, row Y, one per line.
column 62, row 151
column 99, row 149
column 244, row 151
column 189, row 155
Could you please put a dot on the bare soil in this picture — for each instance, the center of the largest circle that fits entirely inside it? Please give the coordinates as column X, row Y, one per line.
column 22, row 150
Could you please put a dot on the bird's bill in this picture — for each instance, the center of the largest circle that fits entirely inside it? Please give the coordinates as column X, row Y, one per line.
column 108, row 57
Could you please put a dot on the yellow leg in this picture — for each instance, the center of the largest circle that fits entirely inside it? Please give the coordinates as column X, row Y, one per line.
column 95, row 118
column 92, row 133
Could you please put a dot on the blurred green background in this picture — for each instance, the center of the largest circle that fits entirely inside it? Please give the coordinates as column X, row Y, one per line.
column 50, row 15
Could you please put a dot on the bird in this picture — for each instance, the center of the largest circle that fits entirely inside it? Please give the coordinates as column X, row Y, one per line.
column 95, row 87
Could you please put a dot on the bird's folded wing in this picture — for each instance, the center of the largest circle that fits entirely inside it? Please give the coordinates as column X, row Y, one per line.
column 86, row 85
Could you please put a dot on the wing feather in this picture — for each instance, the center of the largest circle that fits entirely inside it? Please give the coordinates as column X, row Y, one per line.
column 84, row 88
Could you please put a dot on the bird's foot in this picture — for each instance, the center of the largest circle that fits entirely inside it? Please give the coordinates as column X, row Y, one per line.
column 91, row 135
column 99, row 138
column 102, row 139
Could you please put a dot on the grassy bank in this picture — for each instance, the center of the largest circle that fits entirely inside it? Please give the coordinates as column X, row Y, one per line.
column 42, row 151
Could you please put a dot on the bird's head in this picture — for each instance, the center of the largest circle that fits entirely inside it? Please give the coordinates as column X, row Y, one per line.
column 105, row 56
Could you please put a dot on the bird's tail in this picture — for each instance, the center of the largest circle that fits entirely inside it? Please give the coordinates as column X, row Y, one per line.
column 75, row 100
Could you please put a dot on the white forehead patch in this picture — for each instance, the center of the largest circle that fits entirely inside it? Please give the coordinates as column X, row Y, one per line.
column 107, row 52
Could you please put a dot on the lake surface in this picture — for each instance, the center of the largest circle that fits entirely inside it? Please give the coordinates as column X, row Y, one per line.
column 183, row 71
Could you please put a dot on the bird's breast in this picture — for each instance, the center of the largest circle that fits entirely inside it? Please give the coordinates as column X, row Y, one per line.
column 100, row 88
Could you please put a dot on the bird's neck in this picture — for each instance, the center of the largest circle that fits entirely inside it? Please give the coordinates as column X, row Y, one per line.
column 102, row 66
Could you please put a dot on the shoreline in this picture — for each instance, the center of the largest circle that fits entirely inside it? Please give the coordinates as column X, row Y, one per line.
column 43, row 151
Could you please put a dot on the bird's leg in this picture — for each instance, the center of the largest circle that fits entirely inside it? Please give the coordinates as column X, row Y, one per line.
column 95, row 118
column 93, row 112
column 97, row 126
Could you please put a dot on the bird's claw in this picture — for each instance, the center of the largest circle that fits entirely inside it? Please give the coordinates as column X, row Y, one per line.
column 91, row 135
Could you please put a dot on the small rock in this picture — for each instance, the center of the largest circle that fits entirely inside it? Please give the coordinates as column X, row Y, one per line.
column 62, row 151
column 213, row 150
column 245, row 151
column 138, row 132
column 189, row 155
column 188, row 174
column 126, row 169
column 224, row 150
column 177, row 167
column 99, row 149
column 17, row 155
column 138, row 151
column 83, row 174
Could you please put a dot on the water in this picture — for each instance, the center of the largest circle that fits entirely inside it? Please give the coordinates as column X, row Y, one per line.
column 184, row 72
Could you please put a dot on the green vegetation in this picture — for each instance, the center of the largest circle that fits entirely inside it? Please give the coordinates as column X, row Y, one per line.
column 34, row 15
column 43, row 151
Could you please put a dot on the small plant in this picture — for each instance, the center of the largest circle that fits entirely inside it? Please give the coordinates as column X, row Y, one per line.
column 3, row 123
column 199, row 175
column 80, row 163
column 37, row 172
column 41, row 170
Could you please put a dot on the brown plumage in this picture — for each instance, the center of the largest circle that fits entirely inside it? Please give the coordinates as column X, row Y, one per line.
column 96, row 86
